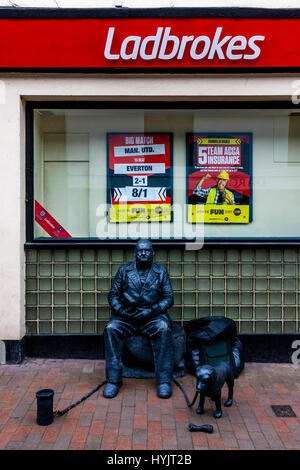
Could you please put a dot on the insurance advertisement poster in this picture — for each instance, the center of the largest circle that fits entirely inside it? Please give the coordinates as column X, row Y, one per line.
column 219, row 177
column 139, row 172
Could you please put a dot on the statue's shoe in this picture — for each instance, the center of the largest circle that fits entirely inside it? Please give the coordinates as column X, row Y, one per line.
column 164, row 390
column 111, row 390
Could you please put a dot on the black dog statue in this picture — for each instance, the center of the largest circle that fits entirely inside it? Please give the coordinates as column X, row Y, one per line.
column 210, row 381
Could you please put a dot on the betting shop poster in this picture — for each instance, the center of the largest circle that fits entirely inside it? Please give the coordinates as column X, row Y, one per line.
column 139, row 186
column 219, row 178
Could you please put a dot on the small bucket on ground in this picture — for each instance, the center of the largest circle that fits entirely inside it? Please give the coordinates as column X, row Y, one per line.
column 44, row 406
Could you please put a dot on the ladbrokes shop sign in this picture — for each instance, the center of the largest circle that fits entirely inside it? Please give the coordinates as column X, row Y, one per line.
column 236, row 39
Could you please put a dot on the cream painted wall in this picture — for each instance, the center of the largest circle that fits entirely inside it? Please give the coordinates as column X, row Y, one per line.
column 16, row 89
column 12, row 210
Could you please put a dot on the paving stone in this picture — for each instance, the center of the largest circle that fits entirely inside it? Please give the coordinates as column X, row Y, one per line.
column 245, row 444
column 140, row 421
column 45, row 446
column 139, row 437
column 168, row 421
column 124, row 443
column 93, row 442
column 62, row 442
column 32, row 440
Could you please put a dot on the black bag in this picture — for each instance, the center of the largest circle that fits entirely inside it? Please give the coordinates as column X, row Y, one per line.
column 211, row 340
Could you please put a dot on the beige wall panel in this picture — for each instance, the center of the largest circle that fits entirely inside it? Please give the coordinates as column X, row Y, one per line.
column 66, row 146
column 67, row 195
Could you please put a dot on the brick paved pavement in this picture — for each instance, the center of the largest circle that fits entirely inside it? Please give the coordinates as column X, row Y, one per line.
column 136, row 418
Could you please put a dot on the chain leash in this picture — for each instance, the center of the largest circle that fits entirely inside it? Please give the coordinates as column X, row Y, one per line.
column 62, row 412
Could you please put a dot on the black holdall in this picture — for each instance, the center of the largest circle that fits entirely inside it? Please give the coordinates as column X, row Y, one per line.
column 213, row 339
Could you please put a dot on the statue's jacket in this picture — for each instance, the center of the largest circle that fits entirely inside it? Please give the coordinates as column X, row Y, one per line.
column 156, row 293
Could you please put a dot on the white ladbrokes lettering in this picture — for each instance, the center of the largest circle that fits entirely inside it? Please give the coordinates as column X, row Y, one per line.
column 165, row 46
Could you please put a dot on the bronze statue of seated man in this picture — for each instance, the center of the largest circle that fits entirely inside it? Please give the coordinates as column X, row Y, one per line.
column 139, row 298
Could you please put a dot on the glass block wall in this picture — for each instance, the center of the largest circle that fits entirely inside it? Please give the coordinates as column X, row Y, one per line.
column 66, row 290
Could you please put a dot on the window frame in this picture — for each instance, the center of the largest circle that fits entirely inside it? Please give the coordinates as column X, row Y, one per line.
column 32, row 243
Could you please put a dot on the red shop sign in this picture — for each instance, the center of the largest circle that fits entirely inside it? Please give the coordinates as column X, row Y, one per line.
column 126, row 43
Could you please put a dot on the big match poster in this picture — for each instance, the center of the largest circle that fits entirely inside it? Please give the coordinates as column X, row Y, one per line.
column 219, row 177
column 139, row 177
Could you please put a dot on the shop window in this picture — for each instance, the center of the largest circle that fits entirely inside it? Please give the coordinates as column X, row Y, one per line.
column 121, row 174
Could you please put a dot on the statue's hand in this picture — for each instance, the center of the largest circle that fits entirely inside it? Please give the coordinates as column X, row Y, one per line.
column 142, row 314
column 125, row 312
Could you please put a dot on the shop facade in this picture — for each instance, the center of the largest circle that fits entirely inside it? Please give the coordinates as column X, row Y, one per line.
column 118, row 124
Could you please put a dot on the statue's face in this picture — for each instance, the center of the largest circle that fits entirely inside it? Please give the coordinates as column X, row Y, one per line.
column 144, row 252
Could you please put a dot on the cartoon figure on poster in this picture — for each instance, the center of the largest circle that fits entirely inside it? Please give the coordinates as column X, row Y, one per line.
column 139, row 177
column 219, row 169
